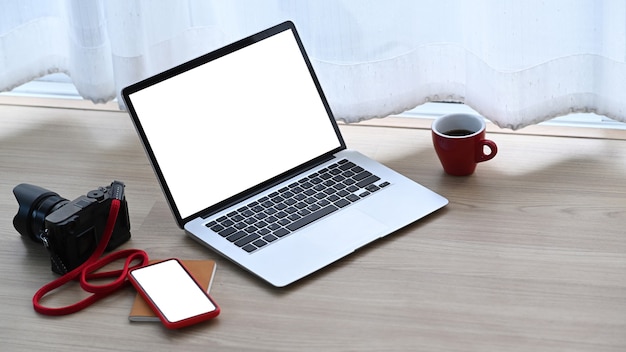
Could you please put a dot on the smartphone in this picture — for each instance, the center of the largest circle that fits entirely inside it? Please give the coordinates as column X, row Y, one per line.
column 173, row 294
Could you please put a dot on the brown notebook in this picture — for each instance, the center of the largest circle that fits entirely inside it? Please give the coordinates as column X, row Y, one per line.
column 202, row 270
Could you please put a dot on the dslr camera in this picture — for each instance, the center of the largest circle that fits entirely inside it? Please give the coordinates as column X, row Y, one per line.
column 70, row 231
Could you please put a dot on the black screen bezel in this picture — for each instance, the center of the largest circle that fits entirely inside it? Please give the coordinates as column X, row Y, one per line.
column 210, row 209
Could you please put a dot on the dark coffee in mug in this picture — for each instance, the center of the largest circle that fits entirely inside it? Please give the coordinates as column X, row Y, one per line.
column 458, row 132
column 459, row 141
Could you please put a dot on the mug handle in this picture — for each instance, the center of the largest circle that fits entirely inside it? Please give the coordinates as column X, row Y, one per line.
column 493, row 150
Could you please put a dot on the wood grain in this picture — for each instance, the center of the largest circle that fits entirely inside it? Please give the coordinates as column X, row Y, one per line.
column 530, row 254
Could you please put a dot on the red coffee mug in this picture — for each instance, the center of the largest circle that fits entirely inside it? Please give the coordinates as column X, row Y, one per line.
column 459, row 141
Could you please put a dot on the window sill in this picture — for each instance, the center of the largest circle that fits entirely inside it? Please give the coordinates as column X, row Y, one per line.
column 411, row 119
column 400, row 121
column 56, row 103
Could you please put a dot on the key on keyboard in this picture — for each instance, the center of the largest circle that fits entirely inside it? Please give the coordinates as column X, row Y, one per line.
column 307, row 200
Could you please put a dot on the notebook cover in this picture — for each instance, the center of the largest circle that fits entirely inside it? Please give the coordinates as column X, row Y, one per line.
column 202, row 270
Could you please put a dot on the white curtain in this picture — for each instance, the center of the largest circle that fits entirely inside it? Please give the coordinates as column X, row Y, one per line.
column 515, row 62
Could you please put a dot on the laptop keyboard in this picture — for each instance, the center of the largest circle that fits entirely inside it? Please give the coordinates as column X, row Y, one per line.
column 275, row 216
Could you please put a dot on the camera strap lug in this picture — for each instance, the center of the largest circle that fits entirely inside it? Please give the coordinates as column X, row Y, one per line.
column 44, row 240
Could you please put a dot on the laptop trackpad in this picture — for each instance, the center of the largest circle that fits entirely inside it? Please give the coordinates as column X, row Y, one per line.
column 348, row 229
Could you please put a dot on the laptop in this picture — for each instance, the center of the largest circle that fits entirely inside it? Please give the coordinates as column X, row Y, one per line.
column 253, row 165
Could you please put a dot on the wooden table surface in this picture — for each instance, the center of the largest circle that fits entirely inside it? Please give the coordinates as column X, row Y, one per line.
column 530, row 254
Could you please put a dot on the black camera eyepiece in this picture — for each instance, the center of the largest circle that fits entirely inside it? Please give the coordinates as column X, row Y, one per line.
column 35, row 203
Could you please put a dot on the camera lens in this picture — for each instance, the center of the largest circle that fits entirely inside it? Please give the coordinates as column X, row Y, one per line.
column 35, row 203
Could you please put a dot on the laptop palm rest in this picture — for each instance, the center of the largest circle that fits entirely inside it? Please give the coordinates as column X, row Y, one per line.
column 342, row 234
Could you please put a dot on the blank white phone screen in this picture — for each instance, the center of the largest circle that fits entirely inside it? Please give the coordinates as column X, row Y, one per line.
column 172, row 290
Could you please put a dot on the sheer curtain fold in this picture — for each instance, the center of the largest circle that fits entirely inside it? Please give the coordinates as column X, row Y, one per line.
column 515, row 62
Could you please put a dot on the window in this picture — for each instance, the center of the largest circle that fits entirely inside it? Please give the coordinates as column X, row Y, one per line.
column 60, row 86
column 57, row 85
column 432, row 110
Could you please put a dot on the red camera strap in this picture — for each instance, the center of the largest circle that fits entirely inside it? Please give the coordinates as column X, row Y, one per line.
column 87, row 271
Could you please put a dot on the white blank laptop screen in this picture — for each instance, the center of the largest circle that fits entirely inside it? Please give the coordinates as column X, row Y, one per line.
column 234, row 122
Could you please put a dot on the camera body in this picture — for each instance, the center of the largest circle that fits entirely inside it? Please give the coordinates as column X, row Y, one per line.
column 71, row 230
